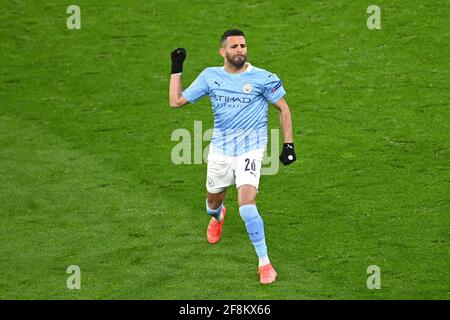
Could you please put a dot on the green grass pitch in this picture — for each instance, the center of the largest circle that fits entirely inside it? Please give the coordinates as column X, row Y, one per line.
column 86, row 176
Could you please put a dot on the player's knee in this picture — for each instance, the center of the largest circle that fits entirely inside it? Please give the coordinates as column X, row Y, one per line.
column 244, row 202
column 247, row 195
column 214, row 203
column 246, row 199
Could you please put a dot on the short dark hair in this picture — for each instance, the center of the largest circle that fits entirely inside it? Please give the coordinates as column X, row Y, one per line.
column 229, row 33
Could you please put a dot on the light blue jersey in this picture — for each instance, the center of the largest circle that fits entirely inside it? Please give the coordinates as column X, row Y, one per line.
column 240, row 106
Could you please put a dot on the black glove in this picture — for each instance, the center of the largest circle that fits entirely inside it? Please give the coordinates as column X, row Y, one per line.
column 288, row 154
column 178, row 55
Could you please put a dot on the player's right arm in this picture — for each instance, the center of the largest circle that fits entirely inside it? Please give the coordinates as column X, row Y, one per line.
column 175, row 87
column 199, row 88
column 175, row 98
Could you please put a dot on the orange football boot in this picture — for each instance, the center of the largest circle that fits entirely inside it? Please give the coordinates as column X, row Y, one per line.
column 215, row 228
column 267, row 274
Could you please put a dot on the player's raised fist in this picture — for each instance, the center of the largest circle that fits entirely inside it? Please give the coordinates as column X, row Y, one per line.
column 178, row 56
column 288, row 154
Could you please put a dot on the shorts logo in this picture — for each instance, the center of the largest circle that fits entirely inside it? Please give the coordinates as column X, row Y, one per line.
column 210, row 182
column 247, row 87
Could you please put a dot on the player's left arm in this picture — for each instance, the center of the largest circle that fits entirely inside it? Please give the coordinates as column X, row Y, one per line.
column 285, row 119
column 288, row 154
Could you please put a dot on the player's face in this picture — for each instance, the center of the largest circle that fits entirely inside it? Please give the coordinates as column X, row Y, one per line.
column 235, row 51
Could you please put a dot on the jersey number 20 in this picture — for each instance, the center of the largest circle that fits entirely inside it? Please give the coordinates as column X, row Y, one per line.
column 252, row 165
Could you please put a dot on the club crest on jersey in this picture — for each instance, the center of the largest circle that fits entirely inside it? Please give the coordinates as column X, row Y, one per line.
column 247, row 87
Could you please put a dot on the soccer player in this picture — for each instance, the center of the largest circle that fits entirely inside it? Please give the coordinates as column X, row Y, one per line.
column 240, row 94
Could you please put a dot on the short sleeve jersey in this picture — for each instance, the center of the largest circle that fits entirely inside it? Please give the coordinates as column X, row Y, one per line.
column 240, row 106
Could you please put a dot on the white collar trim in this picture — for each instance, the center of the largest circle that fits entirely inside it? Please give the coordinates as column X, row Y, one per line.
column 249, row 68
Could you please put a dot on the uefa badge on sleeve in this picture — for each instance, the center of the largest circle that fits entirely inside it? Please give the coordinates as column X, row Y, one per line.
column 247, row 87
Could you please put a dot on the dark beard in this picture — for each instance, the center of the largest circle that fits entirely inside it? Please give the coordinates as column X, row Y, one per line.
column 237, row 62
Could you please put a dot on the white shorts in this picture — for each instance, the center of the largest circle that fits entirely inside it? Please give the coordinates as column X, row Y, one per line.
column 223, row 171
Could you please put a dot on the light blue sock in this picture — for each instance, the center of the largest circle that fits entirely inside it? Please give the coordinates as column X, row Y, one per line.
column 255, row 228
column 214, row 212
